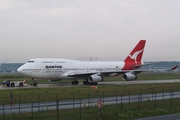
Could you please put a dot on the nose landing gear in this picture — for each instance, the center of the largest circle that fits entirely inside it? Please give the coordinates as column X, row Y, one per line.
column 35, row 82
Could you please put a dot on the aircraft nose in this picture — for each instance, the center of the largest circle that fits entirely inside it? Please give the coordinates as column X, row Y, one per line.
column 19, row 70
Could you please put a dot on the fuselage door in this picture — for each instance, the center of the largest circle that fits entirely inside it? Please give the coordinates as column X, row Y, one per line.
column 87, row 69
column 43, row 68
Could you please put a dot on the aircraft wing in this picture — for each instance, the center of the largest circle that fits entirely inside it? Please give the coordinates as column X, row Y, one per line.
column 104, row 74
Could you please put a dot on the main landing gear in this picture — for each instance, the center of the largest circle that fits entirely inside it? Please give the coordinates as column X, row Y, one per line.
column 88, row 83
column 35, row 82
column 75, row 82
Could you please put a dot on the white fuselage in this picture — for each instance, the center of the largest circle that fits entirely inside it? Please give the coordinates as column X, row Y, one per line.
column 61, row 68
column 93, row 72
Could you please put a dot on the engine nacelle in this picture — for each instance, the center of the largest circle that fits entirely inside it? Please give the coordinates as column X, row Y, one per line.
column 129, row 77
column 54, row 80
column 95, row 79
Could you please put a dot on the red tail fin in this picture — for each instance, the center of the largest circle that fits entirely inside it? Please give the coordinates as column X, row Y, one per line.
column 134, row 58
column 174, row 67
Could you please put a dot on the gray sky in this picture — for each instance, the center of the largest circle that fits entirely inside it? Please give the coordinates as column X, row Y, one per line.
column 104, row 29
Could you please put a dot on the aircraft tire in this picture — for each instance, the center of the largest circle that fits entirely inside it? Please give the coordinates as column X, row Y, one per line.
column 21, row 84
column 93, row 83
column 75, row 82
column 85, row 82
column 88, row 83
column 12, row 84
column 35, row 84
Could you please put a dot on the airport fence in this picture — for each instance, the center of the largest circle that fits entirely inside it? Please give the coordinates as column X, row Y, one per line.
column 89, row 108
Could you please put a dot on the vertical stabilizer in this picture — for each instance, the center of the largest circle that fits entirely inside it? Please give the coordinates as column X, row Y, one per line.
column 133, row 60
column 174, row 68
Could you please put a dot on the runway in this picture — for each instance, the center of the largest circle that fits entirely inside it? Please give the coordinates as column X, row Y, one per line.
column 99, row 83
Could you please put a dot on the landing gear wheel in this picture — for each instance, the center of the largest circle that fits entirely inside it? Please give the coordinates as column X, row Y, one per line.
column 34, row 83
column 93, row 83
column 12, row 84
column 88, row 83
column 20, row 84
column 75, row 82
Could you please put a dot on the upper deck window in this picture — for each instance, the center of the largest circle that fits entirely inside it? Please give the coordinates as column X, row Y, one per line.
column 30, row 61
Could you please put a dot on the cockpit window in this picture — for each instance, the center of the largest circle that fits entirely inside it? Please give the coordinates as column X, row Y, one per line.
column 30, row 61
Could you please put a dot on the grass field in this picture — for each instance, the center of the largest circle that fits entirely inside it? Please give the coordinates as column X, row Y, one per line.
column 64, row 93
column 110, row 112
column 126, row 111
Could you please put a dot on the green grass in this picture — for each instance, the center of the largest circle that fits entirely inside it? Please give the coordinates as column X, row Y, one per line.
column 63, row 93
column 109, row 112
column 80, row 92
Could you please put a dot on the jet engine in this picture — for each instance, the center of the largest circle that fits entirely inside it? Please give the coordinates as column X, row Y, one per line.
column 129, row 77
column 95, row 79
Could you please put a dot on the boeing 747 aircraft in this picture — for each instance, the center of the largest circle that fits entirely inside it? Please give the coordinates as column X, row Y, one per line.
column 92, row 72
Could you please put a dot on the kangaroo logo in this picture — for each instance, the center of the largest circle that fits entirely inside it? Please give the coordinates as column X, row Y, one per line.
column 134, row 56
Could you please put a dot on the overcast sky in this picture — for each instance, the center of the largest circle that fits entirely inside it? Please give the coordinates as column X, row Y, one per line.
column 104, row 29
